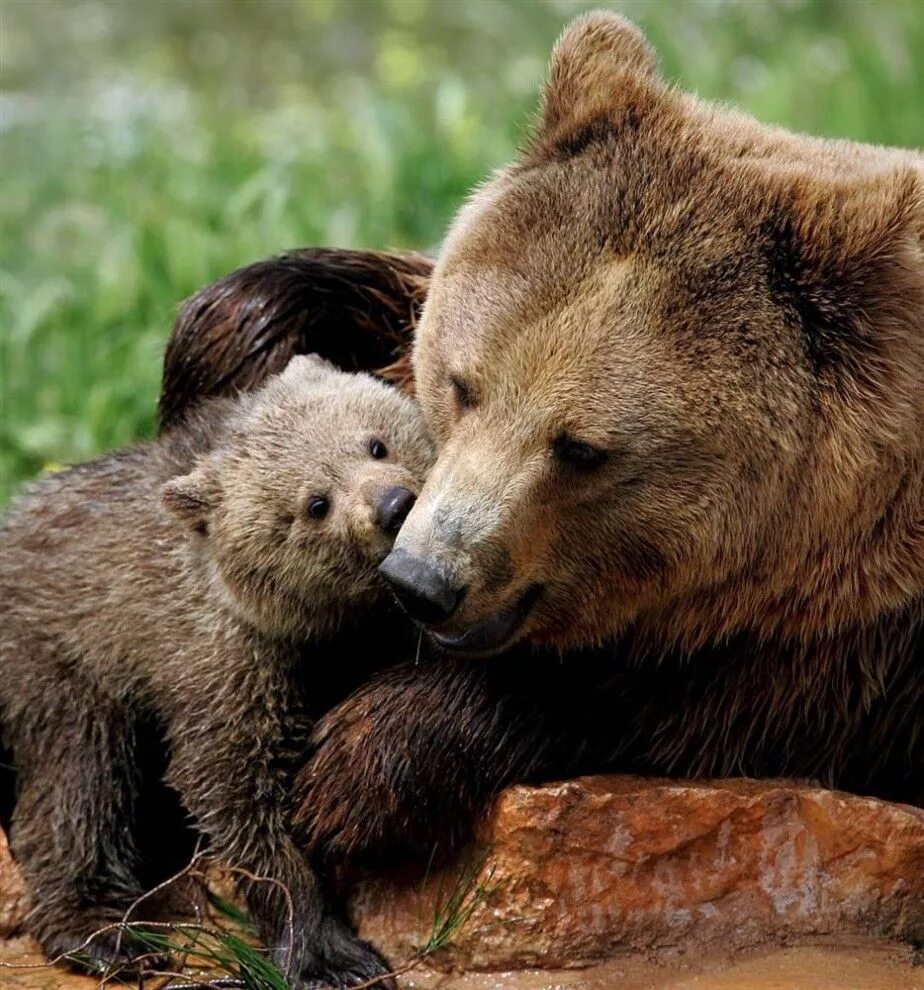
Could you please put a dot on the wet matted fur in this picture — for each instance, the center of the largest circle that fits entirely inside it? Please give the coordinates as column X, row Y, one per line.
column 191, row 586
column 741, row 308
column 357, row 308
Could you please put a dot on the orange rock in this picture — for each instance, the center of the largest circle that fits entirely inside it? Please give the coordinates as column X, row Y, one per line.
column 589, row 868
column 12, row 895
column 618, row 881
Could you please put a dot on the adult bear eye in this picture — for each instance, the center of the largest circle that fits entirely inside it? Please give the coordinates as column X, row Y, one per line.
column 462, row 392
column 378, row 449
column 318, row 506
column 576, row 454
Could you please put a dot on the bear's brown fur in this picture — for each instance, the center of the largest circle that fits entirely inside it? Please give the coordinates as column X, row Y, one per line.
column 359, row 307
column 188, row 581
column 674, row 363
column 733, row 316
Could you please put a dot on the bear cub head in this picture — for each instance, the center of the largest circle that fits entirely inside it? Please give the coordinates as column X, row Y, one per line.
column 292, row 513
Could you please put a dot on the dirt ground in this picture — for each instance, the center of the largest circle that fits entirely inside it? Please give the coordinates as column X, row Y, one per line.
column 859, row 966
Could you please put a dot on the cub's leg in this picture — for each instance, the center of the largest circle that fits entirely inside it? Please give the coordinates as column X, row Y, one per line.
column 410, row 760
column 72, row 825
column 231, row 752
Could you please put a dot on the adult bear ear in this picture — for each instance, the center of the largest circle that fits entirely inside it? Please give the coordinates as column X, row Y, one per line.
column 846, row 261
column 597, row 66
column 192, row 497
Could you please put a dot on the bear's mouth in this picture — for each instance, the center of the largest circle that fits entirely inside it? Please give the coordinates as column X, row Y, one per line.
column 493, row 634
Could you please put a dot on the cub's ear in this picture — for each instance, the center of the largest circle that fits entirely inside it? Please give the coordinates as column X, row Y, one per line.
column 596, row 66
column 847, row 263
column 304, row 367
column 192, row 497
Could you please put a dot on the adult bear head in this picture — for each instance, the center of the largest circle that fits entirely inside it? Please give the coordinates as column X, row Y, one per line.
column 673, row 362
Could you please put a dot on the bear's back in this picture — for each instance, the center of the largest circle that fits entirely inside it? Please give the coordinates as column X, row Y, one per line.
column 91, row 562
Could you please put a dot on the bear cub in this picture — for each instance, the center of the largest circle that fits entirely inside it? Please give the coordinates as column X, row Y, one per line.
column 185, row 580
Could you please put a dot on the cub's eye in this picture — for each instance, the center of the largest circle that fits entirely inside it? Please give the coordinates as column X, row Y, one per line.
column 378, row 449
column 462, row 392
column 318, row 506
column 576, row 454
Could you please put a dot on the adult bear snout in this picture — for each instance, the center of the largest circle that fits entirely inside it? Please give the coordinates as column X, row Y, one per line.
column 422, row 589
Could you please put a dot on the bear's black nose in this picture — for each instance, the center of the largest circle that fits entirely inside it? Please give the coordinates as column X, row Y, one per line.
column 392, row 508
column 424, row 592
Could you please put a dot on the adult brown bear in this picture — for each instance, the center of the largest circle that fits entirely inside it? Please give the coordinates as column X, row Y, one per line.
column 673, row 360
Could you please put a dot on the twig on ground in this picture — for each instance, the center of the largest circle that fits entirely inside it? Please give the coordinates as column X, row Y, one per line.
column 290, row 910
column 253, row 972
column 187, row 871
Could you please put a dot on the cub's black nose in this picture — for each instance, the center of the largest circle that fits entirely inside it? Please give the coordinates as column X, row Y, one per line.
column 423, row 591
column 393, row 507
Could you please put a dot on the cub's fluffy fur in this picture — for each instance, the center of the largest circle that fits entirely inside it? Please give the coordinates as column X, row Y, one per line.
column 179, row 581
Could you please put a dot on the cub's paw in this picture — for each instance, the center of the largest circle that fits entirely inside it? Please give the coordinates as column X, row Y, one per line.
column 106, row 954
column 343, row 960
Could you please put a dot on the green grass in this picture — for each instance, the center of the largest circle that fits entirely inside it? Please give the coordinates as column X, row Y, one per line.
column 458, row 897
column 223, row 951
column 205, row 956
column 148, row 147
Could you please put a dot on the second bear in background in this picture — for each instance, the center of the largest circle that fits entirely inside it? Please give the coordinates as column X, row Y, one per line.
column 180, row 580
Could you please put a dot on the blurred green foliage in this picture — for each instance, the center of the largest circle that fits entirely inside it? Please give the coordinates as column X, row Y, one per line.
column 149, row 147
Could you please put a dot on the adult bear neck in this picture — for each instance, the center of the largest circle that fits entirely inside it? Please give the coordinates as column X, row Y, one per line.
column 863, row 543
column 845, row 555
column 839, row 709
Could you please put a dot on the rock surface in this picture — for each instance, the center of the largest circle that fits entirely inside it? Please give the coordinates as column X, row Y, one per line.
column 580, row 870
column 12, row 895
column 610, row 882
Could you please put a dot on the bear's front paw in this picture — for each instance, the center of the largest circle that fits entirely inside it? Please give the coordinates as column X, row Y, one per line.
column 341, row 960
column 347, row 799
column 109, row 953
